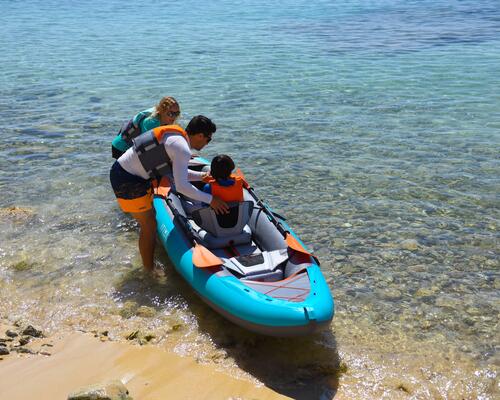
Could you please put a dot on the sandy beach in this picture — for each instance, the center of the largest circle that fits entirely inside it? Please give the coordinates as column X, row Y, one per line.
column 77, row 360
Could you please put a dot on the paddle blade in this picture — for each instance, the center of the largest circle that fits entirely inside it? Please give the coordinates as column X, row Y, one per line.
column 295, row 245
column 204, row 258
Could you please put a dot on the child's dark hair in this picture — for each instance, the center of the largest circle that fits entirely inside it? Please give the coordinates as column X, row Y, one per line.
column 221, row 167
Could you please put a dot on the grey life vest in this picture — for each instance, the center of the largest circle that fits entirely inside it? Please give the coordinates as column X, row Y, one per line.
column 152, row 153
column 131, row 129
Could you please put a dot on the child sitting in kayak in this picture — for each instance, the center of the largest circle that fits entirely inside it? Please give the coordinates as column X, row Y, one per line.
column 222, row 182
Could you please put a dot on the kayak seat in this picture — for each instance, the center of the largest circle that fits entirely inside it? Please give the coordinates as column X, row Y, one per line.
column 191, row 205
column 265, row 266
column 222, row 230
column 215, row 242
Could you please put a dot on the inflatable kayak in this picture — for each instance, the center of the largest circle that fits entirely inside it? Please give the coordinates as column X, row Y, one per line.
column 248, row 265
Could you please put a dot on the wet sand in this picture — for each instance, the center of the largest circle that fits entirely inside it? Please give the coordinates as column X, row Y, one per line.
column 148, row 372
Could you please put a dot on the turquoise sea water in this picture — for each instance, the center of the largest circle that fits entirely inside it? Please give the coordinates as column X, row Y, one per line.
column 374, row 127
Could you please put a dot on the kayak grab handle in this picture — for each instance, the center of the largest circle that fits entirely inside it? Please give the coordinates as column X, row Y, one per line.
column 309, row 311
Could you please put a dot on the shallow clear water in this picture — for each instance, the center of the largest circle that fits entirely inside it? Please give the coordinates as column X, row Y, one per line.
column 374, row 127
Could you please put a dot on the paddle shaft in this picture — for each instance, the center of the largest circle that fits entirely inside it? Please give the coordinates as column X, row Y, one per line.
column 177, row 216
column 201, row 257
column 268, row 212
column 276, row 223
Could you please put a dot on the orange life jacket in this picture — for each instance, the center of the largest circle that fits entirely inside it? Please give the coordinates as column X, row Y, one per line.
column 160, row 131
column 228, row 193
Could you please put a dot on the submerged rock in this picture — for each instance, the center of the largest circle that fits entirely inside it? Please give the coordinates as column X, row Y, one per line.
column 390, row 294
column 24, row 340
column 424, row 292
column 426, row 324
column 4, row 351
column 409, row 244
column 11, row 334
column 23, row 266
column 114, row 390
column 389, row 256
column 31, row 331
column 149, row 336
column 337, row 243
column 128, row 309
column 23, row 350
column 16, row 212
column 133, row 335
column 446, row 302
column 140, row 337
column 474, row 311
column 417, row 268
column 146, row 312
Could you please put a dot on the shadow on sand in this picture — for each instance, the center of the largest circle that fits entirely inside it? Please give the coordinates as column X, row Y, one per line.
column 301, row 368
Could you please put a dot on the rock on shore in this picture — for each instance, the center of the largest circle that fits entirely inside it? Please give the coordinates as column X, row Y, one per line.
column 17, row 338
column 113, row 390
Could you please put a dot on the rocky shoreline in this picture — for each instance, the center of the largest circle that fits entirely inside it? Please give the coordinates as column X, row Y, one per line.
column 20, row 338
column 24, row 339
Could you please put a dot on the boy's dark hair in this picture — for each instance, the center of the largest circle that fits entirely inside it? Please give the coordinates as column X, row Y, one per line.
column 221, row 167
column 200, row 124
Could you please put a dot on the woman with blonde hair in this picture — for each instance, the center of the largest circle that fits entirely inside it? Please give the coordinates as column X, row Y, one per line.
column 164, row 113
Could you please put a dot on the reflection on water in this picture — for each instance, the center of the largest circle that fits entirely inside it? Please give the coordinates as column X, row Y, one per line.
column 374, row 128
